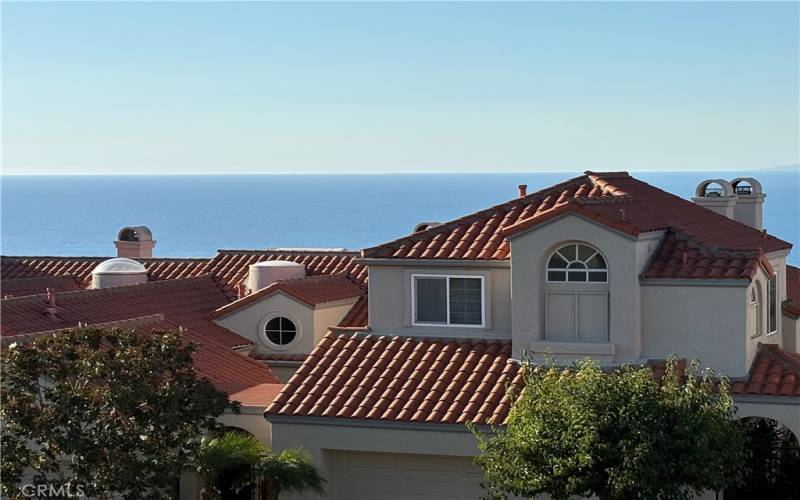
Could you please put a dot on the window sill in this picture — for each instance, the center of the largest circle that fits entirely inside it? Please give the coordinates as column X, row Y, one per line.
column 596, row 348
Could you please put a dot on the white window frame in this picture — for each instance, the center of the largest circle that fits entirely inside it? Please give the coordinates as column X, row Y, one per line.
column 447, row 277
column 547, row 267
column 772, row 308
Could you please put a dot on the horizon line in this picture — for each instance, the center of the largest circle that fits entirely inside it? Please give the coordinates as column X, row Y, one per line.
column 446, row 172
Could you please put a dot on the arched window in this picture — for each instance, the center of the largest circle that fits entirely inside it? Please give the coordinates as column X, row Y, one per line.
column 280, row 330
column 576, row 291
column 577, row 263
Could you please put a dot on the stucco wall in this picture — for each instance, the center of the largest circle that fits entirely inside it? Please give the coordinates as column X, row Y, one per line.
column 247, row 321
column 312, row 323
column 625, row 257
column 704, row 322
column 390, row 301
column 791, row 333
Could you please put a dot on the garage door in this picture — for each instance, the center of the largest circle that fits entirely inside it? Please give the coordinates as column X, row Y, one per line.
column 362, row 476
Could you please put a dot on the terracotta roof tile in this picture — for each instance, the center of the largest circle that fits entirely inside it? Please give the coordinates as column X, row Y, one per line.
column 614, row 199
column 403, row 379
column 230, row 267
column 681, row 257
column 311, row 290
column 244, row 379
column 363, row 376
column 13, row 268
column 36, row 286
column 774, row 372
column 185, row 302
column 358, row 315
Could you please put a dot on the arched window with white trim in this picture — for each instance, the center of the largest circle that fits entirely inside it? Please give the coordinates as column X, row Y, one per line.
column 577, row 263
column 576, row 292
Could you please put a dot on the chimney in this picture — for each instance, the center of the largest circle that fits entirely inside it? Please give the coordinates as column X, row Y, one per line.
column 135, row 242
column 523, row 190
column 51, row 308
column 716, row 195
column 749, row 198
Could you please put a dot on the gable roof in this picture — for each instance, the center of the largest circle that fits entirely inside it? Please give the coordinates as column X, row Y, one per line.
column 311, row 290
column 614, row 199
column 183, row 302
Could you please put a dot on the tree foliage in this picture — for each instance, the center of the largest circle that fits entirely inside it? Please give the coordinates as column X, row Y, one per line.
column 288, row 470
column 122, row 410
column 231, row 462
column 624, row 435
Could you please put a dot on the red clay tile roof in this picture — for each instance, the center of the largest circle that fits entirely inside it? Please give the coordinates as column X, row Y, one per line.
column 230, row 267
column 791, row 306
column 241, row 377
column 358, row 315
column 229, row 370
column 36, row 286
column 614, row 199
column 185, row 302
column 679, row 257
column 257, row 395
column 361, row 376
column 14, row 268
column 774, row 372
column 311, row 290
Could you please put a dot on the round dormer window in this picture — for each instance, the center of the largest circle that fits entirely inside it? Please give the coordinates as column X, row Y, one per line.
column 280, row 331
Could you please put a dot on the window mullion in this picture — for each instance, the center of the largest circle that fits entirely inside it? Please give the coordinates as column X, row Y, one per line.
column 447, row 298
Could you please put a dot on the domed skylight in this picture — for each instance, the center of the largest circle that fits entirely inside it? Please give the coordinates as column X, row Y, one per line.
column 119, row 265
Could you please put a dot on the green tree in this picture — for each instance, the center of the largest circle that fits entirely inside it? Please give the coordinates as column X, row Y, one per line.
column 122, row 410
column 289, row 470
column 229, row 463
column 621, row 435
column 226, row 463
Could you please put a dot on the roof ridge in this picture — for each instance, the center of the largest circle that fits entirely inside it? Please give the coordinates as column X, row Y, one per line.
column 96, row 257
column 310, row 251
column 454, row 222
column 117, row 289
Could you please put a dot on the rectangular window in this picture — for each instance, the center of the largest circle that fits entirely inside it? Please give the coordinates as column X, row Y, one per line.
column 772, row 305
column 448, row 300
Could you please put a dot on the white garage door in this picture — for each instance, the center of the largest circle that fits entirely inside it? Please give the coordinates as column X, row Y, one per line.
column 382, row 476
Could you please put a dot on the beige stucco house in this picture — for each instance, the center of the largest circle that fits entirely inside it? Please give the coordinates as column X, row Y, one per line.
column 602, row 265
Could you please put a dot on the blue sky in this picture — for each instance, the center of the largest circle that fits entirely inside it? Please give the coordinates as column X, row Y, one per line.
column 156, row 87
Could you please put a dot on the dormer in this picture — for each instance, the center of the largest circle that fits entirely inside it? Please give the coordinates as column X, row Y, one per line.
column 287, row 318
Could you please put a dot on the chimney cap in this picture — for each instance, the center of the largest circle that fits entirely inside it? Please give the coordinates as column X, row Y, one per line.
column 135, row 233
column 523, row 190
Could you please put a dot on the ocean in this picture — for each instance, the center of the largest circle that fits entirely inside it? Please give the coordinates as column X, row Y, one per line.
column 194, row 215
